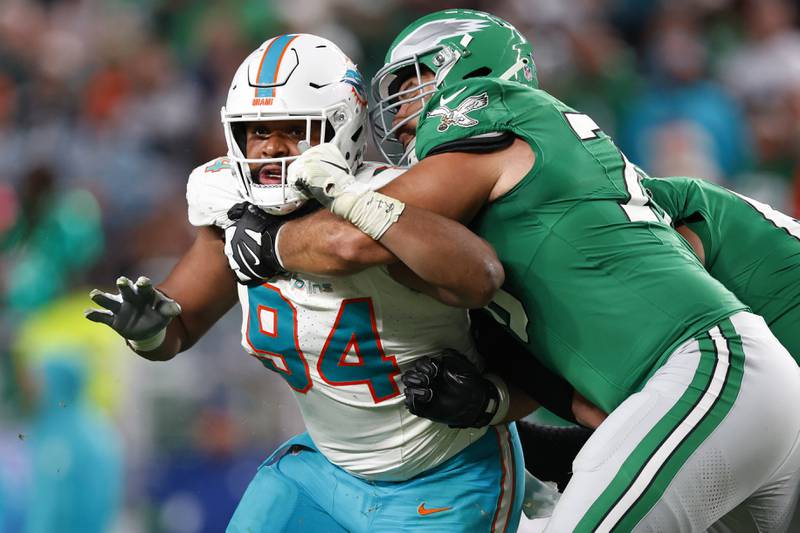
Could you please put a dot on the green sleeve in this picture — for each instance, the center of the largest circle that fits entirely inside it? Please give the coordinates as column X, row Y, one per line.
column 687, row 202
column 670, row 194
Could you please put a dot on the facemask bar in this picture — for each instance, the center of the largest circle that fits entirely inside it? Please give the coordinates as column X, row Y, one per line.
column 236, row 152
column 387, row 105
column 385, row 134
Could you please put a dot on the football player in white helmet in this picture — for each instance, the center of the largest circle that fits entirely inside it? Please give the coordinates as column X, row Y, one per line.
column 305, row 87
column 340, row 343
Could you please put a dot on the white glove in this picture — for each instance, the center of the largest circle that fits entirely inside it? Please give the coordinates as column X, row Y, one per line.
column 139, row 313
column 322, row 173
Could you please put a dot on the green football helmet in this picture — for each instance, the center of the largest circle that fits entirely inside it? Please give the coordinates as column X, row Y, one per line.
column 454, row 44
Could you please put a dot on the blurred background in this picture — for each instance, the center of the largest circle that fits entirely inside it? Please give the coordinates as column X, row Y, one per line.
column 107, row 105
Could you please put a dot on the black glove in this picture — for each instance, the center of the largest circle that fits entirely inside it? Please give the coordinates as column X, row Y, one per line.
column 550, row 450
column 250, row 243
column 139, row 312
column 508, row 358
column 450, row 390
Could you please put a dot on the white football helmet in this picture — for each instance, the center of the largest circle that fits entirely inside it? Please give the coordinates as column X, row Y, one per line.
column 294, row 77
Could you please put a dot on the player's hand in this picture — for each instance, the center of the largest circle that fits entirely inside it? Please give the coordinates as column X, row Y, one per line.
column 139, row 312
column 322, row 173
column 450, row 390
column 250, row 243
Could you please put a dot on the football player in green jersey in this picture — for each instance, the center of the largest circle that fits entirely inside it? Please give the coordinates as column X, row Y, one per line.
column 753, row 249
column 598, row 285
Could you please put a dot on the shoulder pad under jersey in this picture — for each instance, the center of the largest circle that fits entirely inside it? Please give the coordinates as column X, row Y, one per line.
column 472, row 108
column 377, row 174
column 210, row 192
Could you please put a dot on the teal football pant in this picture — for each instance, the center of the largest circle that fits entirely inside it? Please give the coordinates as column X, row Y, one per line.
column 298, row 489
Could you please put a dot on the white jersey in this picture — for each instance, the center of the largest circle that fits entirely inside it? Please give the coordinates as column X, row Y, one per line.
column 341, row 344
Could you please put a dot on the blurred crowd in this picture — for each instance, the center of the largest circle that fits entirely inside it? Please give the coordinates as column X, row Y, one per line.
column 107, row 105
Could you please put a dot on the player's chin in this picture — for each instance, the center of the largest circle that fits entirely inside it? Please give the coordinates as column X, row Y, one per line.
column 405, row 139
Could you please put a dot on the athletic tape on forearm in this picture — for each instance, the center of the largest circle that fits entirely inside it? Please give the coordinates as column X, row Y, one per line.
column 504, row 399
column 149, row 344
column 371, row 212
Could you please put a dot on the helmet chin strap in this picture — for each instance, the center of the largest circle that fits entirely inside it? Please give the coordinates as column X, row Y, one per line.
column 410, row 155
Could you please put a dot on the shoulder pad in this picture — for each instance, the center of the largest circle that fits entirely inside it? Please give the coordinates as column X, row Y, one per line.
column 212, row 190
column 377, row 174
column 473, row 107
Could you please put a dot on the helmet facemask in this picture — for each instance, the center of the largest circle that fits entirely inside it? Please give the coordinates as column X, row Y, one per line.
column 280, row 198
column 309, row 80
column 388, row 99
column 454, row 45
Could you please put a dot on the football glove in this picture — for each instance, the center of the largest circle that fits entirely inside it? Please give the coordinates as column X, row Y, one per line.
column 452, row 391
column 139, row 312
column 250, row 243
column 518, row 366
column 322, row 173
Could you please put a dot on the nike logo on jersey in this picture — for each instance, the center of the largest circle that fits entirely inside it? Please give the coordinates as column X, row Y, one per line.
column 424, row 512
column 445, row 101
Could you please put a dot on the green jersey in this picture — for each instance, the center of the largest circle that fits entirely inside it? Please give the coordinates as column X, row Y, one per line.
column 750, row 247
column 598, row 286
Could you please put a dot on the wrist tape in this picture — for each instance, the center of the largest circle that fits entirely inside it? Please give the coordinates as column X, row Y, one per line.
column 149, row 344
column 504, row 399
column 370, row 211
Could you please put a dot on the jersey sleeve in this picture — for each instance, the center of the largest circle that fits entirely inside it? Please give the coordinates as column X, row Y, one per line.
column 670, row 194
column 686, row 200
column 469, row 116
column 210, row 192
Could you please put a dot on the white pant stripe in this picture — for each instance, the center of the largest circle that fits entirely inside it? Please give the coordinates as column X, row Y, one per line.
column 506, row 500
column 664, row 452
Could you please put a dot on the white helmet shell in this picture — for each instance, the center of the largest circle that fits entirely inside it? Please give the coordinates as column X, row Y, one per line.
column 294, row 77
